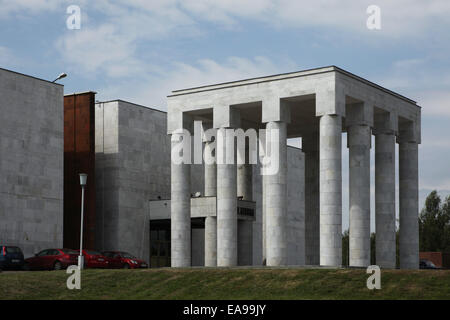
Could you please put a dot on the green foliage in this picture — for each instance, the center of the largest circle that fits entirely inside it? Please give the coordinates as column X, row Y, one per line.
column 434, row 224
column 345, row 249
column 372, row 248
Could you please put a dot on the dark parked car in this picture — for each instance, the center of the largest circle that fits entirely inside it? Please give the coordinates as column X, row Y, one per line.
column 427, row 264
column 94, row 259
column 120, row 259
column 52, row 259
column 11, row 258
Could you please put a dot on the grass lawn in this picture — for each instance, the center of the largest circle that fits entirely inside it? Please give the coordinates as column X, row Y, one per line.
column 234, row 284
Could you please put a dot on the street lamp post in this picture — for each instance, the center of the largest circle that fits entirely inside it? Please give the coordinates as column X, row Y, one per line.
column 83, row 180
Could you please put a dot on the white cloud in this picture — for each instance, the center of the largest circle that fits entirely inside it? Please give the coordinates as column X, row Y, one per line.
column 127, row 23
column 100, row 50
column 436, row 103
column 399, row 18
column 152, row 90
column 8, row 59
column 9, row 7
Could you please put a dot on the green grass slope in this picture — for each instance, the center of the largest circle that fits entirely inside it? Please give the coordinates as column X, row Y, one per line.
column 235, row 284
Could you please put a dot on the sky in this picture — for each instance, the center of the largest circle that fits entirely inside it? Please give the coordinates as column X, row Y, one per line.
column 140, row 51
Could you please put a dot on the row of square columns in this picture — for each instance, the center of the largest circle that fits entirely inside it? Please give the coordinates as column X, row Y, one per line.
column 323, row 197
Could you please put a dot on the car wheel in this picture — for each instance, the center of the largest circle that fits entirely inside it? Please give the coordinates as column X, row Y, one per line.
column 126, row 266
column 57, row 266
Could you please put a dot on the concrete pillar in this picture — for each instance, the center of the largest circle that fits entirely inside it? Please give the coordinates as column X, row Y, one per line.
column 245, row 227
column 180, row 211
column 330, row 190
column 409, row 209
column 210, row 222
column 210, row 173
column 226, row 209
column 359, row 140
column 210, row 242
column 244, row 181
column 310, row 146
column 276, row 197
column 264, row 218
column 385, row 199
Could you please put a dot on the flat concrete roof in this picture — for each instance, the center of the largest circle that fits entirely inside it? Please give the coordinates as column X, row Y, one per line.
column 283, row 76
column 32, row 77
column 135, row 104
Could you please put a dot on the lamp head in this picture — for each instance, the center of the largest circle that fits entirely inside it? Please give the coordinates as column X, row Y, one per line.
column 83, row 179
column 62, row 75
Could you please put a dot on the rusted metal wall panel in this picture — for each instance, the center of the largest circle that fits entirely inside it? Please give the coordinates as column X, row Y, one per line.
column 79, row 157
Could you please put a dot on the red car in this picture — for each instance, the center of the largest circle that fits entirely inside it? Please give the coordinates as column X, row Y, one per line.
column 120, row 259
column 52, row 259
column 94, row 259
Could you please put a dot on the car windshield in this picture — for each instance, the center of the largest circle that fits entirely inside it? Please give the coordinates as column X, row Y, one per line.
column 93, row 253
column 69, row 251
column 126, row 255
column 13, row 250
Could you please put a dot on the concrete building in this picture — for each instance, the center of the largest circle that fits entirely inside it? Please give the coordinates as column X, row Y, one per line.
column 31, row 162
column 132, row 168
column 316, row 105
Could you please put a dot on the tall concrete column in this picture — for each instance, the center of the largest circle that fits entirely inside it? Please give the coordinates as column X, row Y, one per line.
column 359, row 140
column 245, row 227
column 310, row 146
column 226, row 209
column 210, row 241
column 276, row 197
column 330, row 190
column 210, row 173
column 385, row 199
column 210, row 222
column 264, row 218
column 180, row 211
column 409, row 209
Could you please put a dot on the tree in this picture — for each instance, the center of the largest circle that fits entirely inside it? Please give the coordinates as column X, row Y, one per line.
column 372, row 248
column 434, row 224
column 345, row 249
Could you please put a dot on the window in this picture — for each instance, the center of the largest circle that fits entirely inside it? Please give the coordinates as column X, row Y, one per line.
column 93, row 253
column 69, row 251
column 43, row 253
column 13, row 250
